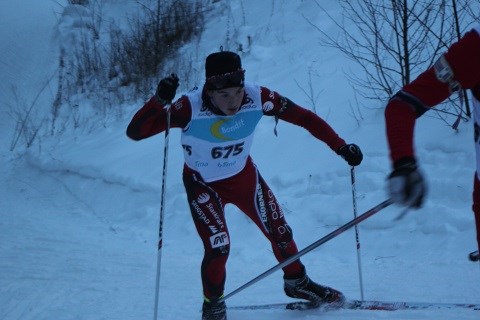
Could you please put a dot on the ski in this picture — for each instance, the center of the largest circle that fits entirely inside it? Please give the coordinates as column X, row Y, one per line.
column 474, row 256
column 360, row 305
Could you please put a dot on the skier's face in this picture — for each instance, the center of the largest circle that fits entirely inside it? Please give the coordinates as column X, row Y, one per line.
column 228, row 100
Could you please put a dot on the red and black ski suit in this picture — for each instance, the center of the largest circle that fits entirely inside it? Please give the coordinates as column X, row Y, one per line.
column 245, row 189
column 425, row 92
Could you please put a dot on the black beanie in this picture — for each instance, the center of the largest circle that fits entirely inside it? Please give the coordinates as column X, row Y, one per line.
column 222, row 62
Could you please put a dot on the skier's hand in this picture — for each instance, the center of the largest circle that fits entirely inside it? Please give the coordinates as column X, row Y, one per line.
column 351, row 153
column 167, row 89
column 406, row 185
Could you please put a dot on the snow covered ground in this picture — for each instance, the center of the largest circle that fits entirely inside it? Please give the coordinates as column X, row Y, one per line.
column 79, row 216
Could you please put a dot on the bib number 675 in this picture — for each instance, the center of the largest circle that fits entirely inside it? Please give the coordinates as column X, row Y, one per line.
column 227, row 151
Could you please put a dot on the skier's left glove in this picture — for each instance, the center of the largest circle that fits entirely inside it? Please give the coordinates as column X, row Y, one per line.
column 406, row 185
column 351, row 153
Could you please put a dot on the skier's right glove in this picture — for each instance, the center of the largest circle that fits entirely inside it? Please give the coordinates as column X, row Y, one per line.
column 167, row 89
column 406, row 185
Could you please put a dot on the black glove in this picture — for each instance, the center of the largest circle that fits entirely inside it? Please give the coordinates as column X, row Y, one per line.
column 351, row 153
column 406, row 185
column 167, row 88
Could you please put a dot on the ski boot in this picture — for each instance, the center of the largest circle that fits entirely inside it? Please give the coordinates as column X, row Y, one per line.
column 214, row 310
column 305, row 288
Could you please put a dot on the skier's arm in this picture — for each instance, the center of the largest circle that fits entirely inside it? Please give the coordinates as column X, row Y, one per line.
column 426, row 91
column 286, row 110
column 318, row 127
column 152, row 118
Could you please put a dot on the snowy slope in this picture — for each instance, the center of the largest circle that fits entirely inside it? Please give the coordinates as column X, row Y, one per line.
column 79, row 216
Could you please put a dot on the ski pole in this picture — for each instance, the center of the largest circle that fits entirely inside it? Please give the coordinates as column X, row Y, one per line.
column 314, row 245
column 357, row 237
column 162, row 211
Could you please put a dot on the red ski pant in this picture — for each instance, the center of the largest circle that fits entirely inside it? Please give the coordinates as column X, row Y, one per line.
column 476, row 206
column 248, row 191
